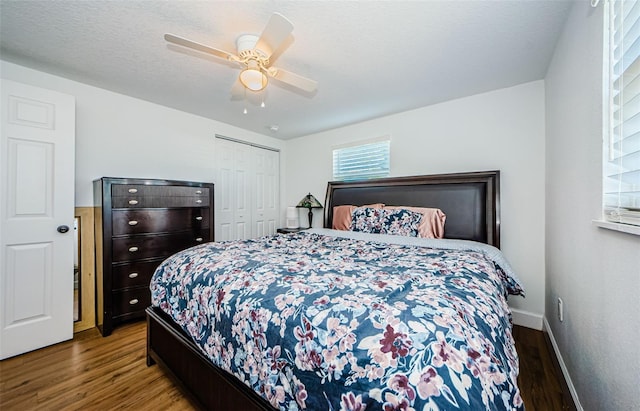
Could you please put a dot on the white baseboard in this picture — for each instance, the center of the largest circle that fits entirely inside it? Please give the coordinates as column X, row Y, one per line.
column 527, row 319
column 563, row 367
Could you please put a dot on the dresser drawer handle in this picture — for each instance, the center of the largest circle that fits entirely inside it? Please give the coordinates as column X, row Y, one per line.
column 199, row 218
column 134, row 301
column 133, row 249
column 198, row 201
column 133, row 275
column 199, row 192
column 199, row 239
column 133, row 202
column 133, row 222
column 133, row 190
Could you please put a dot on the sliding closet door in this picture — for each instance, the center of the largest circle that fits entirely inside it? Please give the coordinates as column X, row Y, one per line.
column 224, row 191
column 242, row 191
column 233, row 191
column 266, row 192
column 247, row 191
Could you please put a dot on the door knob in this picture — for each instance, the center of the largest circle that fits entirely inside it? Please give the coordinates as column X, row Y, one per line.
column 63, row 228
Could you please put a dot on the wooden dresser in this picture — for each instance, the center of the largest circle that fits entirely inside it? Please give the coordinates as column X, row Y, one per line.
column 138, row 223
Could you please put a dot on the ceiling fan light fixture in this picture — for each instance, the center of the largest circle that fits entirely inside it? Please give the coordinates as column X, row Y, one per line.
column 253, row 56
column 252, row 77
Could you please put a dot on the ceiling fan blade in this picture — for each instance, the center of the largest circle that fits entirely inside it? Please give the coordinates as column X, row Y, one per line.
column 172, row 38
column 293, row 79
column 274, row 34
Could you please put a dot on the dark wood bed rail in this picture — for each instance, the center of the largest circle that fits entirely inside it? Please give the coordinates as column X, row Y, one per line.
column 208, row 386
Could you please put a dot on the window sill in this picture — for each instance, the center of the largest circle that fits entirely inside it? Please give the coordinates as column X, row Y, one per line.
column 623, row 228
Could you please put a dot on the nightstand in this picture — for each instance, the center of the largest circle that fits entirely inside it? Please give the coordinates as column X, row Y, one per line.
column 290, row 230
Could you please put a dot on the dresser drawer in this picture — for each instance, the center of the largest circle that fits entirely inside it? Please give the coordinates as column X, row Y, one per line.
column 151, row 196
column 135, row 201
column 137, row 274
column 131, row 301
column 143, row 190
column 161, row 245
column 130, row 221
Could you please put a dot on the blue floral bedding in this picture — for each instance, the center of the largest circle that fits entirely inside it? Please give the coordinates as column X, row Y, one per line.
column 318, row 322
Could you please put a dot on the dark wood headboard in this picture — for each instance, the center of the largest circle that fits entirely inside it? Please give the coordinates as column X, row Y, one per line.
column 471, row 201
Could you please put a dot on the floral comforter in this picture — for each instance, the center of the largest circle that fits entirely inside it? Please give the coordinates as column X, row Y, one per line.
column 319, row 322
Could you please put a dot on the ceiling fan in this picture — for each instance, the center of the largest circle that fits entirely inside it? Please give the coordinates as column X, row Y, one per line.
column 253, row 54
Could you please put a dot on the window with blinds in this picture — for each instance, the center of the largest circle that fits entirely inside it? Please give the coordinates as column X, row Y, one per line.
column 621, row 165
column 362, row 161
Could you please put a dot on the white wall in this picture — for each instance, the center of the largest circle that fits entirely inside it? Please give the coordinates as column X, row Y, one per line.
column 121, row 136
column 500, row 130
column 595, row 271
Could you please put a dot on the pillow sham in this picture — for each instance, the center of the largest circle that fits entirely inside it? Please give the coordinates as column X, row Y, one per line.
column 385, row 221
column 433, row 219
column 342, row 215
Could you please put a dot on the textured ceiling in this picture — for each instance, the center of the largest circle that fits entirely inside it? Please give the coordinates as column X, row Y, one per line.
column 370, row 58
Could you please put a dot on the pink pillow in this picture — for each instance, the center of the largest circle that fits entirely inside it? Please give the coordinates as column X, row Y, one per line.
column 432, row 223
column 342, row 215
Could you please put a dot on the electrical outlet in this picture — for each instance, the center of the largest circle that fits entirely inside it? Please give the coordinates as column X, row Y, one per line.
column 560, row 309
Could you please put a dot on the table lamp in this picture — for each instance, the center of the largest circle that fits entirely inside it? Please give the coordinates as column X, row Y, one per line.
column 309, row 202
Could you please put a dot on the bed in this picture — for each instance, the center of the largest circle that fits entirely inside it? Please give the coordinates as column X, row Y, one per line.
column 330, row 320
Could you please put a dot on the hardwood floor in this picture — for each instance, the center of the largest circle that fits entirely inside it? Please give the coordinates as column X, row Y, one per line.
column 540, row 380
column 89, row 372
column 92, row 372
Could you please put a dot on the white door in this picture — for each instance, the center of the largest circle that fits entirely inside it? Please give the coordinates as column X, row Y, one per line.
column 224, row 193
column 36, row 204
column 267, row 174
column 233, row 191
column 243, row 191
column 247, row 191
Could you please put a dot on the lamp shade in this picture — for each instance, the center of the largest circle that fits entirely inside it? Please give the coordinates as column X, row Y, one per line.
column 292, row 217
column 252, row 77
column 310, row 202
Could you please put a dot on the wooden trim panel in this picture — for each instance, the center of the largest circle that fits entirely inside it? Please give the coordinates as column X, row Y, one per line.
column 87, row 271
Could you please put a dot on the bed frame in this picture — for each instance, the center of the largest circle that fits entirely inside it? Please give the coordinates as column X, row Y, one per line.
column 470, row 202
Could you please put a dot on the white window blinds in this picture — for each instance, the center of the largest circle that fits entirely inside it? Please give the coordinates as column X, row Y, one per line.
column 363, row 161
column 621, row 165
